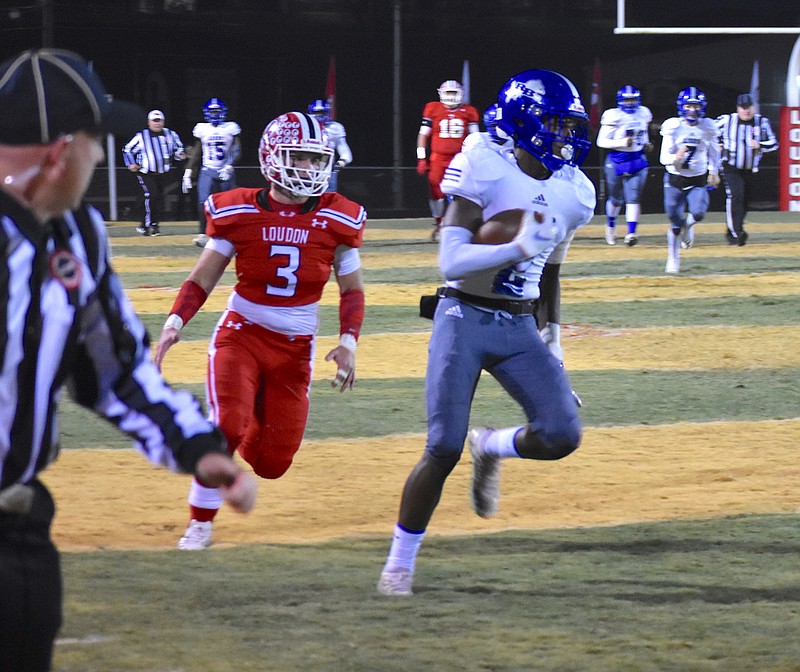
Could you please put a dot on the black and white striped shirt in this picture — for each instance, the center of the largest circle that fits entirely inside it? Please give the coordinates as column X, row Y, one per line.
column 68, row 322
column 152, row 152
column 735, row 136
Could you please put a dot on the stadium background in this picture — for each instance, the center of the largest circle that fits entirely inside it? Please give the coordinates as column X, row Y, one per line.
column 265, row 57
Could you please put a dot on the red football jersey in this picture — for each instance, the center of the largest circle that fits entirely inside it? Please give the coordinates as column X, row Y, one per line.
column 283, row 257
column 448, row 127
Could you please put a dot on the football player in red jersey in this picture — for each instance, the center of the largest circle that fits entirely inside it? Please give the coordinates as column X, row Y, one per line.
column 286, row 239
column 447, row 122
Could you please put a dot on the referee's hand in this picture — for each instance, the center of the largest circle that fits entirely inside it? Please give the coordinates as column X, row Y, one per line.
column 237, row 487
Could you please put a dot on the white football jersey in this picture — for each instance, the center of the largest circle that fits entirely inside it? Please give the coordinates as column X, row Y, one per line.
column 617, row 126
column 488, row 178
column 485, row 140
column 217, row 142
column 700, row 138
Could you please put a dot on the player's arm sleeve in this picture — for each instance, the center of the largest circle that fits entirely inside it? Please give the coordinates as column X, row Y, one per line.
column 343, row 150
column 605, row 137
column 668, row 149
column 236, row 151
column 113, row 375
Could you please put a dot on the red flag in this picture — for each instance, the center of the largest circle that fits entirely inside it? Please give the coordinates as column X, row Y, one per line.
column 596, row 104
column 330, row 87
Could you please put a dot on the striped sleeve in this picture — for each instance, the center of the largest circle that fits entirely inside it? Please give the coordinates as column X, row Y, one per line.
column 132, row 150
column 117, row 379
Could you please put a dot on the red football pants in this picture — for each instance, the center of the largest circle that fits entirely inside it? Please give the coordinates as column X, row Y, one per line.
column 257, row 390
column 438, row 164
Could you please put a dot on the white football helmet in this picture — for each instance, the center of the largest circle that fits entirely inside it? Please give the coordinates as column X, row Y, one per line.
column 294, row 154
column 451, row 93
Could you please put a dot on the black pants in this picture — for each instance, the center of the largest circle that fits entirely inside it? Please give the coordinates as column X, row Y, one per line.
column 738, row 185
column 153, row 186
column 30, row 587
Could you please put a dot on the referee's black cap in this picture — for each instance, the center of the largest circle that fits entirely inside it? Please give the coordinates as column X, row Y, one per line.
column 49, row 92
column 744, row 100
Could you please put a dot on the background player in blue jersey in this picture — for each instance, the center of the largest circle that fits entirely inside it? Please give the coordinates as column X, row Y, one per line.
column 624, row 132
column 484, row 320
column 216, row 151
column 690, row 153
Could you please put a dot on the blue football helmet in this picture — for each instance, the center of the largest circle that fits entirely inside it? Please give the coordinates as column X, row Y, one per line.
column 691, row 95
column 215, row 111
column 542, row 112
column 490, row 120
column 629, row 99
column 320, row 109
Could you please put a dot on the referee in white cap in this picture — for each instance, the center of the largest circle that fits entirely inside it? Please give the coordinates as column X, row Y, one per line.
column 744, row 136
column 149, row 154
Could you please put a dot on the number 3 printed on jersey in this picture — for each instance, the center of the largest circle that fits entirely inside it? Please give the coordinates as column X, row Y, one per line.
column 286, row 272
column 451, row 128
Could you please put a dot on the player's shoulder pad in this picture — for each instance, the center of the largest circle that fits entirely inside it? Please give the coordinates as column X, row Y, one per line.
column 231, row 127
column 483, row 162
column 238, row 201
column 708, row 125
column 335, row 127
column 347, row 215
column 611, row 117
column 646, row 113
column 670, row 125
column 197, row 131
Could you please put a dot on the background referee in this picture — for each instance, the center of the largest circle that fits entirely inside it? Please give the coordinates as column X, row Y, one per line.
column 68, row 322
column 149, row 154
column 744, row 137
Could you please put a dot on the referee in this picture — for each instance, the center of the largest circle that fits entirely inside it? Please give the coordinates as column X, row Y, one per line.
column 744, row 137
column 66, row 321
column 148, row 154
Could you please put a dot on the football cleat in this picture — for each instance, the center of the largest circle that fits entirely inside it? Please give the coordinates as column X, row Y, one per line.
column 673, row 266
column 611, row 235
column 485, row 490
column 631, row 239
column 396, row 583
column 197, row 536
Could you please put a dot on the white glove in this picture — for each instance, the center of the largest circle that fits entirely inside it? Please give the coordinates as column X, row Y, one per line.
column 341, row 163
column 186, row 182
column 534, row 235
column 551, row 335
column 226, row 173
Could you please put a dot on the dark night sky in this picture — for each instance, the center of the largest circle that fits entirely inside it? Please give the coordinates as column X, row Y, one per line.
column 267, row 56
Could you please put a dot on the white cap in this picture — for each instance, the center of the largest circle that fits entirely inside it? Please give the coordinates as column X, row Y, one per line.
column 154, row 115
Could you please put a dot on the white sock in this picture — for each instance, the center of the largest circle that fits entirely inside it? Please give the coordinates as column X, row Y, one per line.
column 405, row 546
column 673, row 245
column 500, row 442
column 204, row 498
column 611, row 209
column 632, row 212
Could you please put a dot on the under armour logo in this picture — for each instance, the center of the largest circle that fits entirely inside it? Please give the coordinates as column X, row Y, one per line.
column 322, row 224
column 234, row 325
column 454, row 311
column 283, row 213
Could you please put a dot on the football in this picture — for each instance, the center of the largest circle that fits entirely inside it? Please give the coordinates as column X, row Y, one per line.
column 502, row 227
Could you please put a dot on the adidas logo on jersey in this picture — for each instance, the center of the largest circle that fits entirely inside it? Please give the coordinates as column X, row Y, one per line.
column 539, row 200
column 454, row 311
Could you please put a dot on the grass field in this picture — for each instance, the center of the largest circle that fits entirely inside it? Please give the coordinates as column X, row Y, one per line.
column 669, row 541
